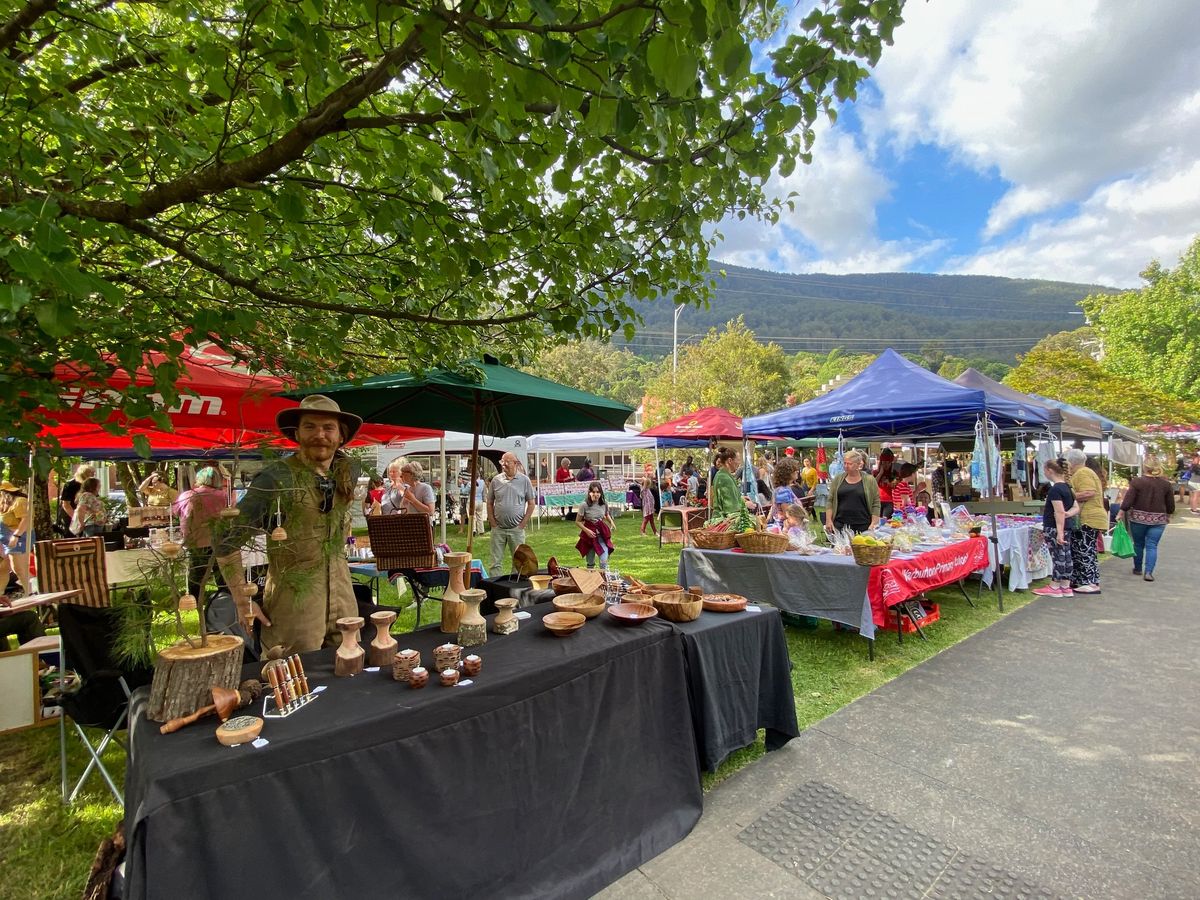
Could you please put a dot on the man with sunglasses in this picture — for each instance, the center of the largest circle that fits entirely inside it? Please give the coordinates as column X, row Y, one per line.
column 309, row 494
column 510, row 497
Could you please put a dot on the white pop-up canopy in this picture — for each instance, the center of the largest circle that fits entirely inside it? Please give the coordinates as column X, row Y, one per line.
column 588, row 440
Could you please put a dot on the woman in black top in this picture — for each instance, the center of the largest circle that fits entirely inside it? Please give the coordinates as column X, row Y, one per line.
column 1060, row 506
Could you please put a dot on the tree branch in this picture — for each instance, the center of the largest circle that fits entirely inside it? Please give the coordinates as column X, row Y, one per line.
column 11, row 31
column 252, row 286
column 320, row 121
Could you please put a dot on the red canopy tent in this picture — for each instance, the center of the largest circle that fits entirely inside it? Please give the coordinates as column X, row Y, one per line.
column 224, row 406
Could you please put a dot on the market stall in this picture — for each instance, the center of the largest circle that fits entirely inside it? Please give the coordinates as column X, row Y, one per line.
column 561, row 766
column 572, row 493
column 830, row 586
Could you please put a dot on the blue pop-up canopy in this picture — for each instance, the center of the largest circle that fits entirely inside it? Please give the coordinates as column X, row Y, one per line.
column 891, row 398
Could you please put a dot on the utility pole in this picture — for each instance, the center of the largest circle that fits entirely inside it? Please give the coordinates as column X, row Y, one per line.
column 675, row 344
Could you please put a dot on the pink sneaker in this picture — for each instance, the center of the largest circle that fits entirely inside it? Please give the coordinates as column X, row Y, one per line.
column 1066, row 592
column 1048, row 591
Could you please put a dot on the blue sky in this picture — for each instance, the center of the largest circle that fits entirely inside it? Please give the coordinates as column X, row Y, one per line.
column 1025, row 139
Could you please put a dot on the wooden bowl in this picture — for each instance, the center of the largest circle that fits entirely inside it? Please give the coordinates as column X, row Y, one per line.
column 540, row 582
column 661, row 588
column 588, row 605
column 632, row 613
column 681, row 608
column 724, row 602
column 564, row 624
column 564, row 585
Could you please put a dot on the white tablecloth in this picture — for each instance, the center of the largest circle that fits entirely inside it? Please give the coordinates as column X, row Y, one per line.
column 1014, row 552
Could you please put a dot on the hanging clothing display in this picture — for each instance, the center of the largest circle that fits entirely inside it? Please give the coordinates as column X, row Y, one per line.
column 1018, row 461
column 1046, row 452
column 982, row 467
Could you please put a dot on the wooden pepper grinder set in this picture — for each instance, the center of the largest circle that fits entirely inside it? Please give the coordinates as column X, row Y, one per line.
column 289, row 683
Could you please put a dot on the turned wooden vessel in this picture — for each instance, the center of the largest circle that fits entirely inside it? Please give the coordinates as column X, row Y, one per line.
column 404, row 662
column 472, row 628
column 457, row 563
column 505, row 622
column 383, row 648
column 350, row 656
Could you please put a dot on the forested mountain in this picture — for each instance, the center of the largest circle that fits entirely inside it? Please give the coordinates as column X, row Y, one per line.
column 971, row 315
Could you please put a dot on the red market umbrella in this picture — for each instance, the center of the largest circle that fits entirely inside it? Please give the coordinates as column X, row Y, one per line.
column 709, row 423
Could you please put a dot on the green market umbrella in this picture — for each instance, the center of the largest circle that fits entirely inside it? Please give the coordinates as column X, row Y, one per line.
column 498, row 400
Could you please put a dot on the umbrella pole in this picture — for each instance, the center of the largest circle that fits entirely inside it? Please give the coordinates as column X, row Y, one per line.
column 474, row 478
column 445, row 478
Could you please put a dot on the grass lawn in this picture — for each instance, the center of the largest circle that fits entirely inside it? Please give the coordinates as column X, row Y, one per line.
column 47, row 848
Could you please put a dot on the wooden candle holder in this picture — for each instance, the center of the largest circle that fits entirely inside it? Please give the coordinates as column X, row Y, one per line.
column 383, row 648
column 505, row 622
column 350, row 656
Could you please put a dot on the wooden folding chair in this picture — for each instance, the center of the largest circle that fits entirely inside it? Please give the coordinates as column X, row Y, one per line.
column 75, row 564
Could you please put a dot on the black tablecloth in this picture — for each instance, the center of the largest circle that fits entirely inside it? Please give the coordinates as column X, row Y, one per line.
column 827, row 587
column 566, row 764
column 516, row 587
column 739, row 680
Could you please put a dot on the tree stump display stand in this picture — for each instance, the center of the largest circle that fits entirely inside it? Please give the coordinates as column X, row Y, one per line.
column 185, row 675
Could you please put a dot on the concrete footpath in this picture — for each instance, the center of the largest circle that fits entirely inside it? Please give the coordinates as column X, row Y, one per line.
column 1054, row 754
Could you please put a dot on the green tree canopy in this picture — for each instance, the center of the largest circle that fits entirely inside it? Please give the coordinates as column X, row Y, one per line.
column 729, row 369
column 811, row 371
column 1153, row 334
column 598, row 368
column 338, row 188
column 1077, row 378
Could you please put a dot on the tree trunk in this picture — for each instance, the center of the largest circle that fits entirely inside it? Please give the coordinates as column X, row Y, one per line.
column 129, row 483
column 39, row 496
column 184, row 676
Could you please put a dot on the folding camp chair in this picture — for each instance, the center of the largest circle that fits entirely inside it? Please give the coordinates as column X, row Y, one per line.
column 102, row 701
column 403, row 544
column 88, row 627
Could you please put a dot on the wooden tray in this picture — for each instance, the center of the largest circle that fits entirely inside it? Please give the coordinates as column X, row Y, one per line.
column 725, row 603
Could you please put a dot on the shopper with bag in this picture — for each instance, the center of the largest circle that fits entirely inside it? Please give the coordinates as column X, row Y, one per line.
column 1146, row 509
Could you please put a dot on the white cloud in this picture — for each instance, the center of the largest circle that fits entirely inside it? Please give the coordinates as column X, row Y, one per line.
column 833, row 226
column 1112, row 236
column 1089, row 110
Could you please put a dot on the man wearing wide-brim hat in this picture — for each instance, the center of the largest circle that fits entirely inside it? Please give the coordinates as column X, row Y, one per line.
column 308, row 495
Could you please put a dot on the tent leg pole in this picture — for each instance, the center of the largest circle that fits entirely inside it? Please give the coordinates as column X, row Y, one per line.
column 445, row 485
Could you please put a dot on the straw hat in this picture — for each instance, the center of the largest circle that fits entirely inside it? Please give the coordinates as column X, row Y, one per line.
column 9, row 488
column 288, row 420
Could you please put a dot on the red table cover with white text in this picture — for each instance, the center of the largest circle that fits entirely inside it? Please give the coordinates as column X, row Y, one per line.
column 903, row 579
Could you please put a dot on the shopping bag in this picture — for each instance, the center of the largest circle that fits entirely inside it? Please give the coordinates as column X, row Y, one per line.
column 1122, row 543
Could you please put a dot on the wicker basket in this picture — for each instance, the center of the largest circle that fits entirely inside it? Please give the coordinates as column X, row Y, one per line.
column 402, row 542
column 703, row 539
column 871, row 555
column 762, row 542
